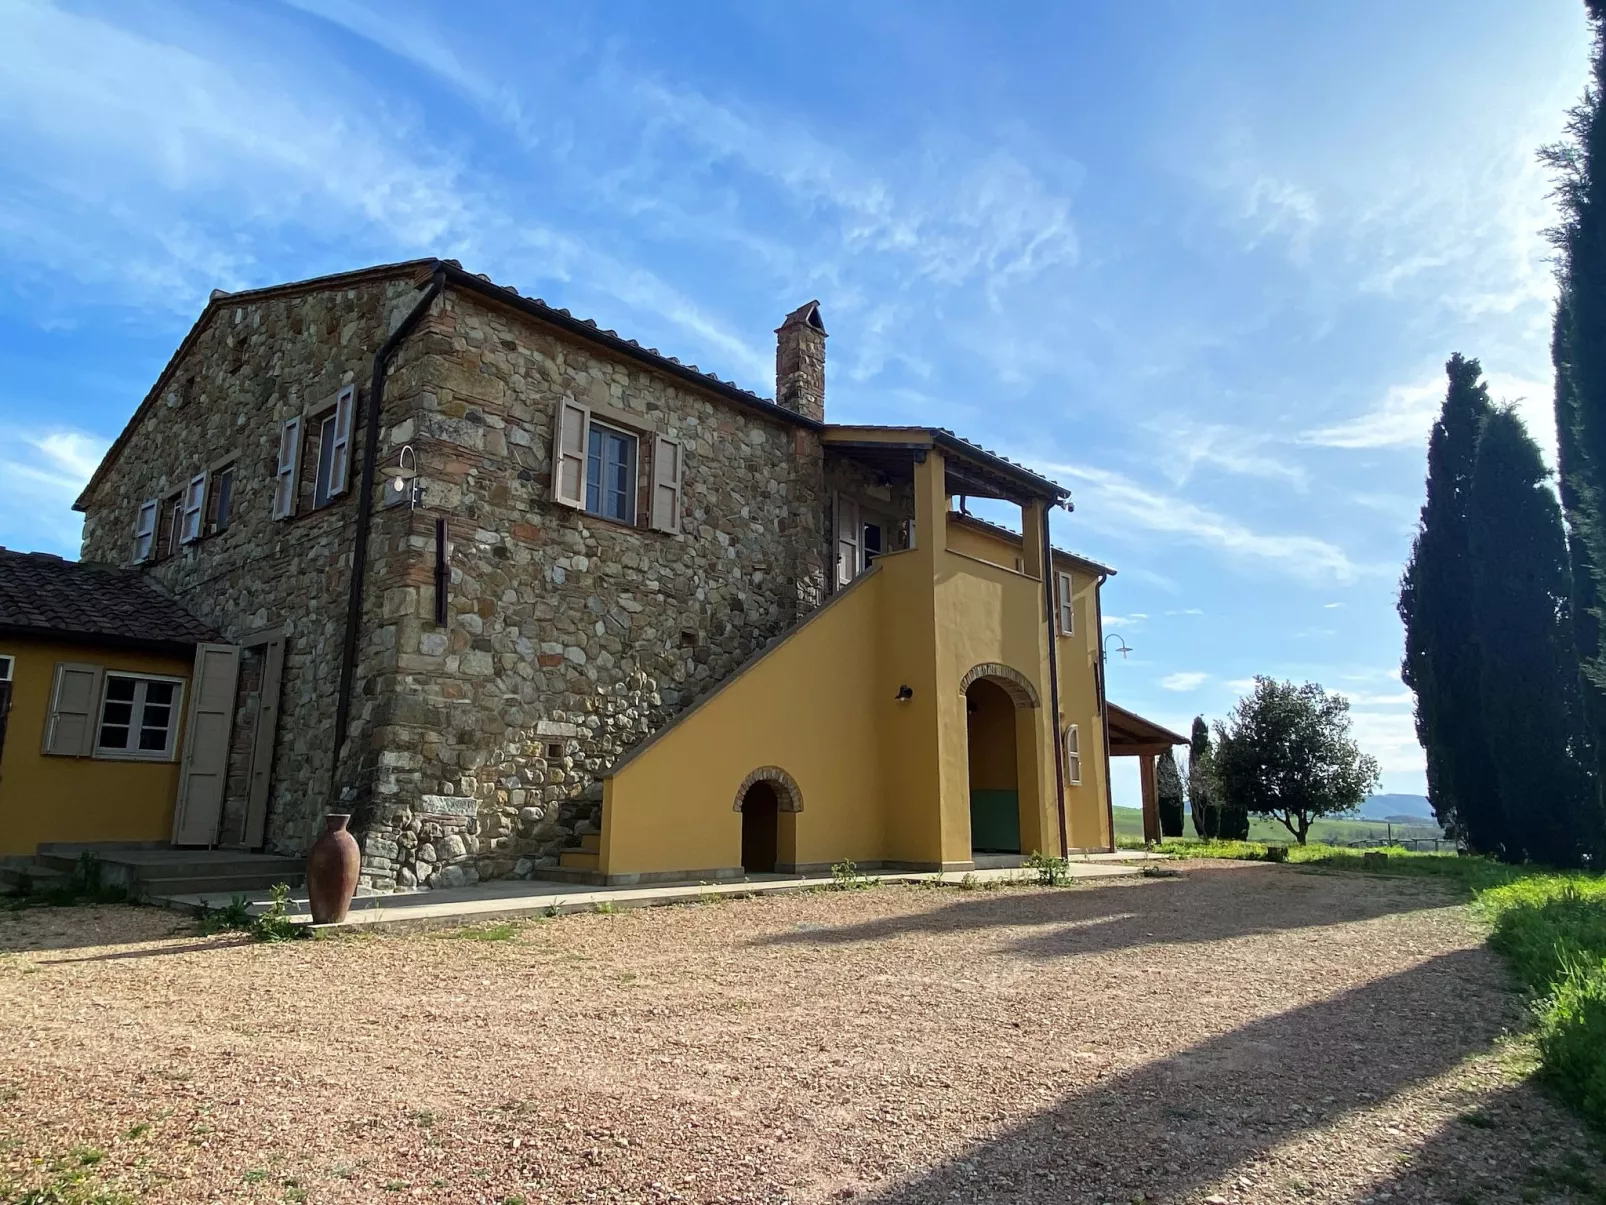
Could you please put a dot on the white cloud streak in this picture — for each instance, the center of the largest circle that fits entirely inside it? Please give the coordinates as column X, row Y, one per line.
column 1184, row 680
column 44, row 471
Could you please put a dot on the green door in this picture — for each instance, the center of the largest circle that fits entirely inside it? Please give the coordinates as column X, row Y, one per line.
column 995, row 821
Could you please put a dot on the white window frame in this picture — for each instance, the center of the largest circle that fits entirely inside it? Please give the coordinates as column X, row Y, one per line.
column 194, row 509
column 849, row 540
column 1073, row 755
column 634, row 495
column 145, row 524
column 136, row 719
column 323, row 488
column 1064, row 584
column 218, row 473
column 286, row 473
column 8, row 666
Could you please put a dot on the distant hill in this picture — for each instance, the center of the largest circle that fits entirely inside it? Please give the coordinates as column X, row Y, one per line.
column 1393, row 807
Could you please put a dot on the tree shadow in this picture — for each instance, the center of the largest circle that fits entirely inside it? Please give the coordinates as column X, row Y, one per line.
column 1220, row 1108
column 1207, row 904
column 85, row 926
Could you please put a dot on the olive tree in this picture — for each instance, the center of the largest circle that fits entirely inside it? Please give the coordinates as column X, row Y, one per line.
column 1285, row 752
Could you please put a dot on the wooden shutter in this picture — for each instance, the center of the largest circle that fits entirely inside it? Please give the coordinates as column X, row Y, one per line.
column 145, row 532
column 284, row 478
column 665, row 484
column 206, row 745
column 1073, row 756
column 848, row 536
column 74, row 710
column 1067, row 605
column 194, row 503
column 570, row 440
column 256, row 810
column 340, row 460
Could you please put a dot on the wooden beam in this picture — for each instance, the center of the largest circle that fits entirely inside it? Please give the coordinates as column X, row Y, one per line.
column 1151, row 799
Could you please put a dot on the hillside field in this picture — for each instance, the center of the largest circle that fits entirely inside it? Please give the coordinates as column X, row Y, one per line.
column 1129, row 826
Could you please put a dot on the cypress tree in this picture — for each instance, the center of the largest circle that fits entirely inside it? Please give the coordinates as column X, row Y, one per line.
column 1201, row 795
column 1530, row 692
column 1435, row 604
column 1168, row 786
column 1578, row 350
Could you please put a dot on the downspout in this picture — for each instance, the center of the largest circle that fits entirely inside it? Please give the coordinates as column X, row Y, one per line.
column 1104, row 711
column 365, row 511
column 1054, row 685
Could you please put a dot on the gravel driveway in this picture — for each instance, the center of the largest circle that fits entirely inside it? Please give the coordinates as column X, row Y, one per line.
column 1241, row 1034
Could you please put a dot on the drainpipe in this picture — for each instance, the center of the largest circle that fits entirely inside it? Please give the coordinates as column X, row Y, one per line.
column 365, row 511
column 1104, row 711
column 1054, row 685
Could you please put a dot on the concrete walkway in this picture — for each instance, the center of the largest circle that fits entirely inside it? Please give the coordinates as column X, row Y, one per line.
column 507, row 899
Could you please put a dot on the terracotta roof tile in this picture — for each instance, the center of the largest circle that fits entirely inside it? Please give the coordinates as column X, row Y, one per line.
column 55, row 597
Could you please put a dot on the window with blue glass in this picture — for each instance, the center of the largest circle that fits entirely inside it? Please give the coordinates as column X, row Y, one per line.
column 611, row 474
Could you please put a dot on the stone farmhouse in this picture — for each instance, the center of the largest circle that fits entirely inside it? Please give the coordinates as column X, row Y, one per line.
column 530, row 599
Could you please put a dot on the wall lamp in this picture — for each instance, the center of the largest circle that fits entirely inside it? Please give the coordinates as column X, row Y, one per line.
column 905, row 693
column 1120, row 648
column 402, row 480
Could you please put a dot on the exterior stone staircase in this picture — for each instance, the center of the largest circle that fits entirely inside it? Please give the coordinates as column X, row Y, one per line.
column 153, row 872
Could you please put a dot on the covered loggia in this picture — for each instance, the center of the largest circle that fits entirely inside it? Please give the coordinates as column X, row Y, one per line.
column 1133, row 736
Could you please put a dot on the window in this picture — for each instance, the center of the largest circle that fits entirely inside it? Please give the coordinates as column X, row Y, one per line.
column 848, row 535
column 220, row 500
column 194, row 506
column 322, row 488
column 611, row 474
column 1073, row 756
column 872, row 542
column 172, row 525
column 284, row 476
column 145, row 532
column 6, row 664
column 138, row 717
column 1067, row 603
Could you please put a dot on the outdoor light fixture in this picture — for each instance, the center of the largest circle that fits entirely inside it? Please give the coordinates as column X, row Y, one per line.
column 905, row 693
column 1120, row 648
column 403, row 483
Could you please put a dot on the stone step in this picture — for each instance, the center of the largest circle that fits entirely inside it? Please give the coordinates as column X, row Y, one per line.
column 115, row 867
column 567, row 874
column 28, row 876
column 591, row 842
column 224, row 884
column 578, row 859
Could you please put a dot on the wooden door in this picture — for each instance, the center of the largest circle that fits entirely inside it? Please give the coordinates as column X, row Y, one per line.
column 205, row 771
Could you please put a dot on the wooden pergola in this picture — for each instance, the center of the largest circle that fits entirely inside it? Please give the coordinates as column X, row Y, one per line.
column 1133, row 736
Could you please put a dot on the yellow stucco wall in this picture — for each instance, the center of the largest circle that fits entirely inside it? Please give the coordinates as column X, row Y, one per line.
column 880, row 780
column 70, row 798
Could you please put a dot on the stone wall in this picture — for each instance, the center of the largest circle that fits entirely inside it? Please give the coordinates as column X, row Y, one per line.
column 249, row 366
column 569, row 637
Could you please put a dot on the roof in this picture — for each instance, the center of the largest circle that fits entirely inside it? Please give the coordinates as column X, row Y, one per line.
column 1000, row 468
column 1138, row 735
column 584, row 328
column 48, row 597
column 1062, row 553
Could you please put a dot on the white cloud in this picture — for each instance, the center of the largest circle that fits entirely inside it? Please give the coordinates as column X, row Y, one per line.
column 1332, row 606
column 1187, row 611
column 1184, row 681
column 1240, row 685
column 44, row 472
column 1117, row 504
column 1191, row 444
column 1135, row 620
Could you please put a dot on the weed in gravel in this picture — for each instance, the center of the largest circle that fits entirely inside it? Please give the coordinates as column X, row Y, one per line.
column 513, row 1200
column 845, row 876
column 605, row 907
column 137, row 1130
column 235, row 916
column 424, row 1117
column 970, row 882
column 69, row 1183
column 1051, row 871
column 551, row 911
column 495, row 931
column 394, row 1185
column 255, row 1175
column 275, row 924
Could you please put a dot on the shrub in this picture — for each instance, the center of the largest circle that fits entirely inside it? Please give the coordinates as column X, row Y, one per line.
column 275, row 924
column 1572, row 1039
column 1051, row 872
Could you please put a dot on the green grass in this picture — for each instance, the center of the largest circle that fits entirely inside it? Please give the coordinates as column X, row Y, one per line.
column 1549, row 926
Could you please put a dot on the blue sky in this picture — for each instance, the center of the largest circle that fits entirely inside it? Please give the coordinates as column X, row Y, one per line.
column 1202, row 263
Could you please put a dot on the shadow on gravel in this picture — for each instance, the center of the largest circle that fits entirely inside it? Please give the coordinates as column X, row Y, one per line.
column 1207, row 904
column 1213, row 1112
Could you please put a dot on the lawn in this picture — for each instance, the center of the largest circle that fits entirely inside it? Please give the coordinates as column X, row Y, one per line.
column 1245, row 1031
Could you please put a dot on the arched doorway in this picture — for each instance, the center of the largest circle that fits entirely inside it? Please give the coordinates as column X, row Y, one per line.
column 761, row 815
column 994, row 776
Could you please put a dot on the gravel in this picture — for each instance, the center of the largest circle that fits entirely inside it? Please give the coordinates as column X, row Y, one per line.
column 1238, row 1034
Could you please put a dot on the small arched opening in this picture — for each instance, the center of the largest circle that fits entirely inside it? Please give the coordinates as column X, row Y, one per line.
column 995, row 826
column 769, row 801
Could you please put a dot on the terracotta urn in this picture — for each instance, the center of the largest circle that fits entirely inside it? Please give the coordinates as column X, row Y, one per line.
column 332, row 865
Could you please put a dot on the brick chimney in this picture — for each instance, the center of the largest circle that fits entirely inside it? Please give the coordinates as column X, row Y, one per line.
column 800, row 362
